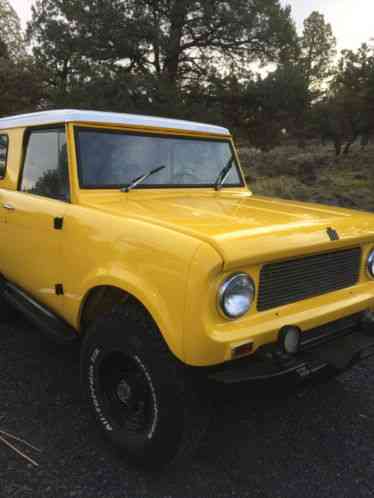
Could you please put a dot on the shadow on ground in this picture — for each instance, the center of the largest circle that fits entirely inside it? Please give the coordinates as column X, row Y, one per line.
column 316, row 441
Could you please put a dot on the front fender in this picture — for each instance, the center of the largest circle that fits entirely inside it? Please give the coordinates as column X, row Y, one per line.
column 150, row 262
column 145, row 293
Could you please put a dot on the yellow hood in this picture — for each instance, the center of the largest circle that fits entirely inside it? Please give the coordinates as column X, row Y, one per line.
column 244, row 228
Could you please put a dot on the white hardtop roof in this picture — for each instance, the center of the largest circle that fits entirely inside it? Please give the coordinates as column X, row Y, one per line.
column 113, row 118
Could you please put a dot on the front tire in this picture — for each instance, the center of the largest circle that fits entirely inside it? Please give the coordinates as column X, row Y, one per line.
column 140, row 394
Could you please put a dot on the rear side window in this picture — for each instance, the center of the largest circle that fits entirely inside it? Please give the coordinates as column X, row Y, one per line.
column 4, row 142
column 45, row 170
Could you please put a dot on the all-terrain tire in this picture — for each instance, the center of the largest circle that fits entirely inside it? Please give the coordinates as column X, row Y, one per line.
column 142, row 397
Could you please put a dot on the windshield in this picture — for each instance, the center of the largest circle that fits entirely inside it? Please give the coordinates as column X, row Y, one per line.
column 111, row 159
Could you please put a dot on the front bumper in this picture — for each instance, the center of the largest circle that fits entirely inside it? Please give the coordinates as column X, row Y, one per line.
column 338, row 351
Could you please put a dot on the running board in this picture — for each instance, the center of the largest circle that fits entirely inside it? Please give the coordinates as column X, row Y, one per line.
column 48, row 322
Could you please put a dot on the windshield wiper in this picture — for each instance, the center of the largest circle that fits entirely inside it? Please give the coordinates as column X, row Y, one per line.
column 141, row 179
column 222, row 177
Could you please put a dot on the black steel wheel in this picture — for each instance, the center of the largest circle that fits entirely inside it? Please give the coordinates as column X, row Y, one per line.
column 128, row 396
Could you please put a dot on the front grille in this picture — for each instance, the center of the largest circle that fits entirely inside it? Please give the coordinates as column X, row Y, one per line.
column 329, row 331
column 298, row 279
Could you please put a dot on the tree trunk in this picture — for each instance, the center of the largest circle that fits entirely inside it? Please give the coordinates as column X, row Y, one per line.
column 178, row 14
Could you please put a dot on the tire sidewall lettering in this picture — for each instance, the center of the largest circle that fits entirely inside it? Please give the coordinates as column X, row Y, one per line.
column 154, row 397
column 92, row 390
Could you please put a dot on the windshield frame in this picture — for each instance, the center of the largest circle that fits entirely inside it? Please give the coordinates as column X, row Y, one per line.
column 181, row 136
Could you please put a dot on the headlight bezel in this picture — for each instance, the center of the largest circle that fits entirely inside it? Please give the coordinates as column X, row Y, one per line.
column 370, row 264
column 223, row 292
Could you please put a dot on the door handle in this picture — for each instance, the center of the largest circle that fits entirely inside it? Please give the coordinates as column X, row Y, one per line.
column 9, row 207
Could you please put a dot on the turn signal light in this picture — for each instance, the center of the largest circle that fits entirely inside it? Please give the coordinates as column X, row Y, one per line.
column 242, row 350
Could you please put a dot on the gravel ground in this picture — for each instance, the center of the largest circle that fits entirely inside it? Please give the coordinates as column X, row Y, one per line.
column 316, row 441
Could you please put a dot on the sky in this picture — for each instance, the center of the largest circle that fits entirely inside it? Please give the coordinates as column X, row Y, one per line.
column 352, row 20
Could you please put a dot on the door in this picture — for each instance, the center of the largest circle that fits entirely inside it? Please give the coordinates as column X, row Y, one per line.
column 34, row 215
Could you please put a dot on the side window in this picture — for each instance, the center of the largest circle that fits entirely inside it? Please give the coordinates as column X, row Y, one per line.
column 4, row 142
column 45, row 170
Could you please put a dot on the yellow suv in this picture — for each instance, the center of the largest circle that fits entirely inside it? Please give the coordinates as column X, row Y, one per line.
column 139, row 236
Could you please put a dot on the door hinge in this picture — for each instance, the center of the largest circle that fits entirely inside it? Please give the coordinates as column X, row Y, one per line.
column 59, row 288
column 58, row 223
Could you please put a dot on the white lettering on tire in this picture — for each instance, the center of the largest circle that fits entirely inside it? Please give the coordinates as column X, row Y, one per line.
column 92, row 391
column 154, row 397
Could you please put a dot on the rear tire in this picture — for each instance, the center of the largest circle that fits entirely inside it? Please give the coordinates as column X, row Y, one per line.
column 141, row 396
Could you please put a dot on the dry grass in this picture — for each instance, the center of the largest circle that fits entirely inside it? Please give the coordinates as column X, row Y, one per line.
column 313, row 174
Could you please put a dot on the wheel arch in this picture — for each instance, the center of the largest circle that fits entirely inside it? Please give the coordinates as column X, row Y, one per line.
column 102, row 298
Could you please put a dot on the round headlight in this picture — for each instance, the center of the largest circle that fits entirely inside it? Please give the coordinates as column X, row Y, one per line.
column 370, row 264
column 236, row 295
